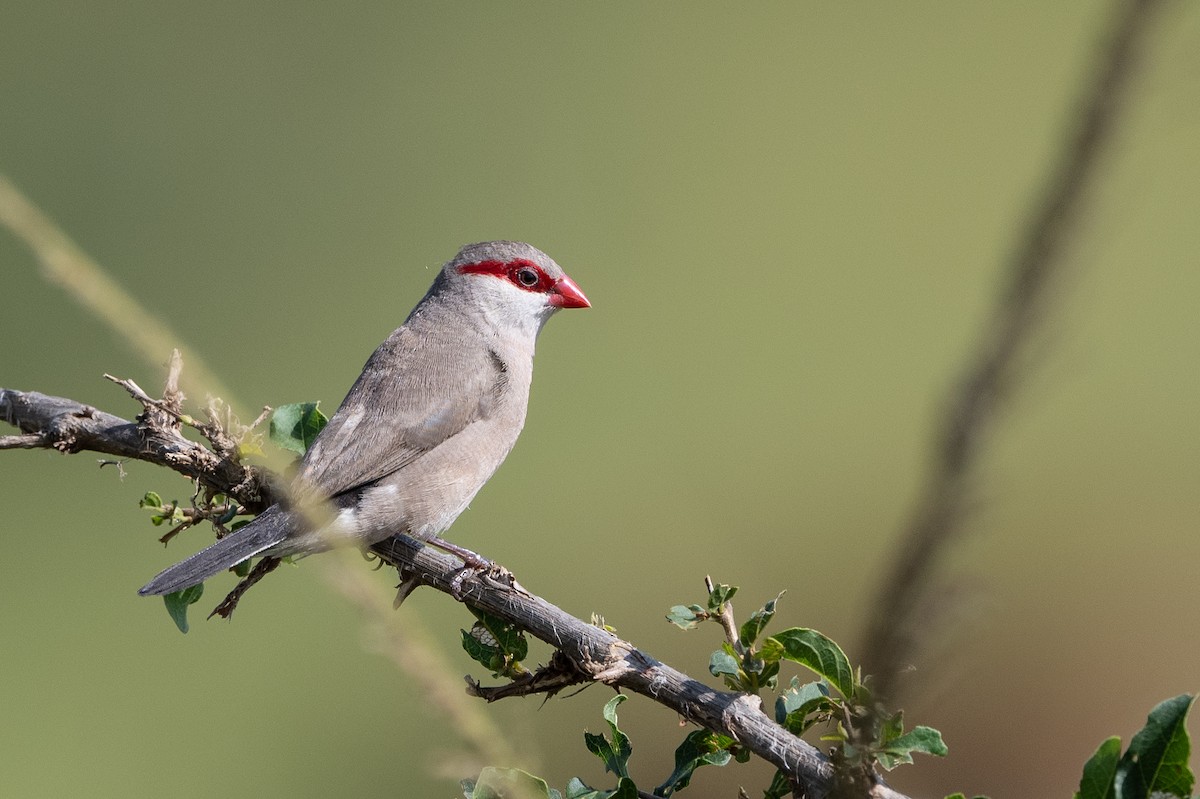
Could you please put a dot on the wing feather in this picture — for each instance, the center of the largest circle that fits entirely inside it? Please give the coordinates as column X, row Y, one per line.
column 413, row 394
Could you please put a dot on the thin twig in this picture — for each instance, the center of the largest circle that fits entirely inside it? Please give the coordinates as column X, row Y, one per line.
column 725, row 617
column 27, row 441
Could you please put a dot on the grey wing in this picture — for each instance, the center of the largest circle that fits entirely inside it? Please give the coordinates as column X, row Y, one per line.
column 413, row 394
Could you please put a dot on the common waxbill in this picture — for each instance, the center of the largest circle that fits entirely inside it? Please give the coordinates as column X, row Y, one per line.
column 435, row 411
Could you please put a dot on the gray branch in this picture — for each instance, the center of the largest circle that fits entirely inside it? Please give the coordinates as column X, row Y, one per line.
column 592, row 653
column 69, row 426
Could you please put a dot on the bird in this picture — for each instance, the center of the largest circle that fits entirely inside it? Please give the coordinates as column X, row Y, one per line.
column 437, row 408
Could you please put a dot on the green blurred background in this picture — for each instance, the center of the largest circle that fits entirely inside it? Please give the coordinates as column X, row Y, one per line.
column 790, row 219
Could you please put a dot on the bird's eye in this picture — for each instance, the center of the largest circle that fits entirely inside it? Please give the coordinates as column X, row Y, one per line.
column 527, row 277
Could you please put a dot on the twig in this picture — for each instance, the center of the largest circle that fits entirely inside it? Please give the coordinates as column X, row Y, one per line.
column 27, row 441
column 725, row 617
column 69, row 426
column 988, row 377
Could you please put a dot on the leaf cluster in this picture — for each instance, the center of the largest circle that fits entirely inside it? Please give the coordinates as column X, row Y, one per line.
column 699, row 748
column 1154, row 766
column 839, row 700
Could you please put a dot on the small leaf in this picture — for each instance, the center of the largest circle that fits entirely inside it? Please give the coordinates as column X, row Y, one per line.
column 242, row 569
column 892, row 728
column 699, row 748
column 758, row 620
column 294, row 427
column 1157, row 758
column 507, row 783
column 615, row 754
column 723, row 664
column 921, row 740
column 482, row 651
column 812, row 649
column 683, row 617
column 510, row 639
column 150, row 500
column 720, row 595
column 178, row 601
column 1100, row 771
column 625, row 789
column 577, row 790
column 800, row 706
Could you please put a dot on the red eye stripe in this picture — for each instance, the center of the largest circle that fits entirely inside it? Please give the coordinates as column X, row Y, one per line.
column 511, row 271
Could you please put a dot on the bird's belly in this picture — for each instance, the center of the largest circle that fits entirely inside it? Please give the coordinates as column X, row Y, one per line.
column 424, row 498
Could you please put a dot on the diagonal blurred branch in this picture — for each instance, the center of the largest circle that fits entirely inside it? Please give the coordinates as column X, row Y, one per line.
column 988, row 377
column 66, row 265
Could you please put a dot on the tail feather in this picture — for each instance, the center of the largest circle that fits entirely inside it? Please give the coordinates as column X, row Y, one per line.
column 264, row 532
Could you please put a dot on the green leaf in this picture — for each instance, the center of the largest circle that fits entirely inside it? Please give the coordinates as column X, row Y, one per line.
column 473, row 643
column 242, row 569
column 720, row 595
column 892, row 728
column 150, row 500
column 510, row 639
column 1157, row 758
column 699, row 748
column 626, row 789
column 723, row 664
column 810, row 648
column 577, row 790
column 683, row 617
column 295, row 426
column 921, row 740
column 615, row 754
column 507, row 783
column 178, row 601
column 757, row 622
column 1100, row 772
column 795, row 708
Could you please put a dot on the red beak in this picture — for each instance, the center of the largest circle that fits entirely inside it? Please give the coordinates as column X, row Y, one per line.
column 565, row 294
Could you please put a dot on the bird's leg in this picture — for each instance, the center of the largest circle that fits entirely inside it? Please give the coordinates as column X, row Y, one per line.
column 469, row 558
column 229, row 603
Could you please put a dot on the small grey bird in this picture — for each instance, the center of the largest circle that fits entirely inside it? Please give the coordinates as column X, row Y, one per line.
column 435, row 411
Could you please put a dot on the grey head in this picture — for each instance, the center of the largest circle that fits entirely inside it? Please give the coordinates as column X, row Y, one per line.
column 513, row 285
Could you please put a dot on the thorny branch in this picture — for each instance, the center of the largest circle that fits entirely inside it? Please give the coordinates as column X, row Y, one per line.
column 973, row 410
column 584, row 652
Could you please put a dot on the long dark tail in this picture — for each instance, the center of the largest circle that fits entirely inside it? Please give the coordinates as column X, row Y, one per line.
column 264, row 532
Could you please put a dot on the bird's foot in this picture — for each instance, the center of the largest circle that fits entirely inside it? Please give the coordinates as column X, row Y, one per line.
column 474, row 565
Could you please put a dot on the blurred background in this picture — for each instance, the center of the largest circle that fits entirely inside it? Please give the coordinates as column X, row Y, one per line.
column 791, row 220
